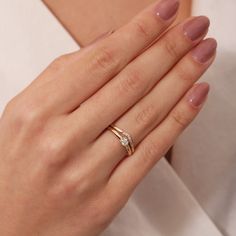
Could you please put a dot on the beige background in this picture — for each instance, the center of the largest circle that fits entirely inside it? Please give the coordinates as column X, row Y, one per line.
column 81, row 17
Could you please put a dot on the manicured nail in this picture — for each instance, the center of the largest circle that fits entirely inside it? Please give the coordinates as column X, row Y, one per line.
column 196, row 28
column 198, row 94
column 166, row 9
column 205, row 50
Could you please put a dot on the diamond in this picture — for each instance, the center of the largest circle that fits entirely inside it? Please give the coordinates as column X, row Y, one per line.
column 124, row 141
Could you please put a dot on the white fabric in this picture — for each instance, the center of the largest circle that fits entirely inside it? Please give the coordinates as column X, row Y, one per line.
column 30, row 39
column 161, row 206
column 205, row 156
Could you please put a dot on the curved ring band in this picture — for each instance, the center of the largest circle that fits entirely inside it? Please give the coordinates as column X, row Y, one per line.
column 125, row 139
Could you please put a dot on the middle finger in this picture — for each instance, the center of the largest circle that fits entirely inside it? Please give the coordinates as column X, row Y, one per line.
column 80, row 74
column 138, row 78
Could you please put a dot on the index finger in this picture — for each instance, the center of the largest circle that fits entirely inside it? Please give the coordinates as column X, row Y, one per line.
column 131, row 39
column 87, row 73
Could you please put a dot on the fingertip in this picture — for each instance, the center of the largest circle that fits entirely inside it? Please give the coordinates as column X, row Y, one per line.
column 167, row 9
column 205, row 51
column 198, row 94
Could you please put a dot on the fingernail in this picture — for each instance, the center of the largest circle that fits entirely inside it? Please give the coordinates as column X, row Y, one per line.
column 196, row 28
column 166, row 9
column 102, row 36
column 205, row 50
column 198, row 94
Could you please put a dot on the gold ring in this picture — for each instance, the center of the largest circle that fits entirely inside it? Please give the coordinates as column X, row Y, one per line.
column 125, row 139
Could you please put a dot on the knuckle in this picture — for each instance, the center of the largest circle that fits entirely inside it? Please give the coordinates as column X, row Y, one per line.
column 10, row 106
column 132, row 82
column 151, row 151
column 181, row 73
column 27, row 116
column 59, row 62
column 52, row 150
column 180, row 118
column 141, row 28
column 24, row 115
column 171, row 48
column 146, row 115
column 14, row 104
column 105, row 59
column 184, row 74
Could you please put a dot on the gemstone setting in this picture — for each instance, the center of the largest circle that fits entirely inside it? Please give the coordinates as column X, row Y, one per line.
column 124, row 141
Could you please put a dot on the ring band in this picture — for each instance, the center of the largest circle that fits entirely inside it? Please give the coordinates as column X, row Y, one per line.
column 125, row 139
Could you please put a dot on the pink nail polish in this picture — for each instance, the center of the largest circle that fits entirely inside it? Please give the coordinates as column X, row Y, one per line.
column 198, row 94
column 166, row 9
column 196, row 28
column 205, row 50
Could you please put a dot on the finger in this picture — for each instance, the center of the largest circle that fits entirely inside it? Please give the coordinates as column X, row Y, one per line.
column 133, row 169
column 142, row 118
column 139, row 77
column 100, row 37
column 154, row 107
column 81, row 74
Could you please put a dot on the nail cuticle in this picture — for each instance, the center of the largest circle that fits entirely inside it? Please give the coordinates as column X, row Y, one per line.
column 200, row 62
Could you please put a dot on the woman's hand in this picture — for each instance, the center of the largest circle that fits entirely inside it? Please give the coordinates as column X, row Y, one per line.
column 61, row 171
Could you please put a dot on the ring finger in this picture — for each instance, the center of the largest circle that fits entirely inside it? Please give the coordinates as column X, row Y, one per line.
column 141, row 119
column 137, row 79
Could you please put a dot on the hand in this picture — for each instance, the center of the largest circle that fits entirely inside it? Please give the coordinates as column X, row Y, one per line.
column 61, row 171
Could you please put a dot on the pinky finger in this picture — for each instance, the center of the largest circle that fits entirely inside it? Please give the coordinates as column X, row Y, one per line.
column 133, row 169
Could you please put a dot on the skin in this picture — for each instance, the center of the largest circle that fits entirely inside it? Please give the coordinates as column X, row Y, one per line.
column 61, row 171
column 108, row 13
